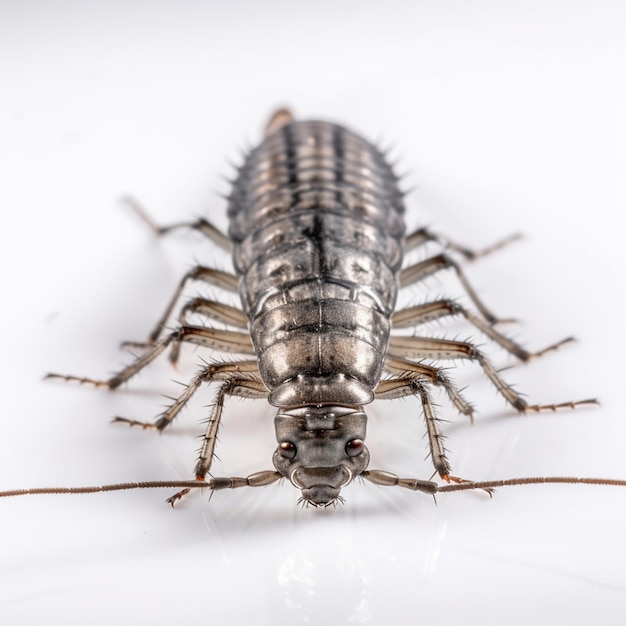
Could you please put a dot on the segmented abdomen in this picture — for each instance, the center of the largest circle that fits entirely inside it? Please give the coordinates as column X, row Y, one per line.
column 316, row 219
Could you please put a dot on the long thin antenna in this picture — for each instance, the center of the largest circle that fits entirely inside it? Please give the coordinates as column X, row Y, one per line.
column 151, row 484
column 533, row 480
column 221, row 483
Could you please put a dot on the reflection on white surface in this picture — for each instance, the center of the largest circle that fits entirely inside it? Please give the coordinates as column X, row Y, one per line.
column 435, row 549
column 309, row 582
column 511, row 118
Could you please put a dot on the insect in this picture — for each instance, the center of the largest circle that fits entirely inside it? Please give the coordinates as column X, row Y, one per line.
column 317, row 235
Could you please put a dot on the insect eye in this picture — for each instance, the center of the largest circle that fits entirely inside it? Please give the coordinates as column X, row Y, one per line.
column 354, row 447
column 287, row 449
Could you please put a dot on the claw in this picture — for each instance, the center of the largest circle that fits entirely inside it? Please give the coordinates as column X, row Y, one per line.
column 177, row 496
column 172, row 500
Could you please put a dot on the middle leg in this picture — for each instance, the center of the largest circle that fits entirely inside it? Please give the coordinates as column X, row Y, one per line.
column 431, row 311
column 399, row 387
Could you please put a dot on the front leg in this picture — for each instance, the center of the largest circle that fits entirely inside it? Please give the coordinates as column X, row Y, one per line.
column 235, row 385
column 399, row 387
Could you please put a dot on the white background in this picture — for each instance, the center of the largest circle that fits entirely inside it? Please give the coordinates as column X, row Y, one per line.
column 509, row 116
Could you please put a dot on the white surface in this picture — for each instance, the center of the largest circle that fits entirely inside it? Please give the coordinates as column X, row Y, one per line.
column 509, row 116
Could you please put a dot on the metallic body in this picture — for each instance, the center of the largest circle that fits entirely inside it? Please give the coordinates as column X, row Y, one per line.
column 318, row 236
column 316, row 219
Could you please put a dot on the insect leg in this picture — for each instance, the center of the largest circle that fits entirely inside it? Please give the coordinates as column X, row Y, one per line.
column 430, row 311
column 213, row 310
column 241, row 387
column 221, row 340
column 413, row 385
column 403, row 370
column 235, row 386
column 419, row 271
column 223, row 280
column 428, row 348
column 204, row 226
column 224, row 313
column 424, row 235
column 248, row 370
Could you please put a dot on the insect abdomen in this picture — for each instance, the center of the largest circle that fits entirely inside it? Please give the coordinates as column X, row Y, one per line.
column 317, row 222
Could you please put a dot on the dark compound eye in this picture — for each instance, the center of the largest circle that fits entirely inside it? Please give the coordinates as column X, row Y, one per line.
column 354, row 447
column 287, row 449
